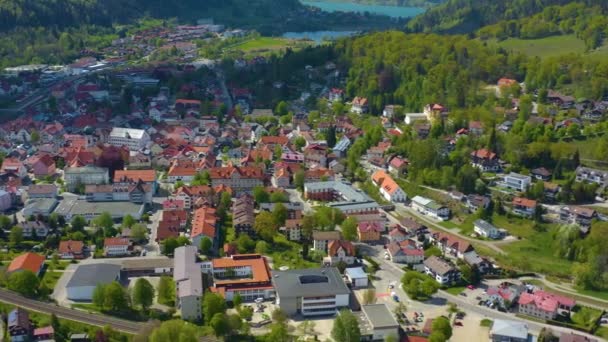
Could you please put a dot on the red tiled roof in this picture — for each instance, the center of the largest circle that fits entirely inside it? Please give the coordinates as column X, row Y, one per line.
column 335, row 245
column 115, row 242
column 545, row 301
column 26, row 261
column 70, row 246
column 204, row 223
column 524, row 202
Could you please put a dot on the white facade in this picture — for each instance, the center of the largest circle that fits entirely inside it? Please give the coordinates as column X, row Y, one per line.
column 134, row 139
column 116, row 250
column 430, row 208
column 315, row 306
column 517, row 182
column 485, row 229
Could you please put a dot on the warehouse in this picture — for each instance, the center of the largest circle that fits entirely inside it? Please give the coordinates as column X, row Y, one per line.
column 87, row 277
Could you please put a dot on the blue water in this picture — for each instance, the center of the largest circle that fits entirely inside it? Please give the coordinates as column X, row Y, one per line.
column 391, row 11
column 318, row 36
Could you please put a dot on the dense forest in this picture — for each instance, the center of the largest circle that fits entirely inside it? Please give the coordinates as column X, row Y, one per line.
column 589, row 24
column 464, row 16
column 402, row 3
column 73, row 13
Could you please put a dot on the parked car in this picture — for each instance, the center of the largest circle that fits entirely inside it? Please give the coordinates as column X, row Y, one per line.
column 470, row 287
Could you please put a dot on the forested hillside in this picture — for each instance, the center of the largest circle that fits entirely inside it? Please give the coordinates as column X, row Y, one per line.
column 464, row 16
column 403, row 3
column 66, row 13
column 589, row 24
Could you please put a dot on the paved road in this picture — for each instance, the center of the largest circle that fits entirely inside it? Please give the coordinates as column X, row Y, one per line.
column 70, row 314
column 405, row 210
column 396, row 272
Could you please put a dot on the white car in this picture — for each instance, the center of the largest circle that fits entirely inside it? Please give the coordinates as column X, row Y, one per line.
column 387, row 257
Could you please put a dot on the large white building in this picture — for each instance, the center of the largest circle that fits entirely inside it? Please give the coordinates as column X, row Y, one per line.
column 430, row 208
column 311, row 292
column 81, row 285
column 75, row 176
column 188, row 283
column 134, row 139
column 517, row 182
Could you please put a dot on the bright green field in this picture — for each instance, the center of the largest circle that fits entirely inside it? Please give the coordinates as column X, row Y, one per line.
column 267, row 44
column 545, row 47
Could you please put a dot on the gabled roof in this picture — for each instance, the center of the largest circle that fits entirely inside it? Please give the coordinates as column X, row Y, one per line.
column 134, row 176
column 204, row 223
column 524, row 202
column 26, row 261
column 335, row 245
column 71, row 246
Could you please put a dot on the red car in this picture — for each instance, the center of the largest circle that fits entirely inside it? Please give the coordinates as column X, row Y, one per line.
column 458, row 324
column 470, row 287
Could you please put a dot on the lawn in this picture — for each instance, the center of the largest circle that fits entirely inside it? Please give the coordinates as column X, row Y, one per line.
column 455, row 290
column 602, row 332
column 586, row 317
column 287, row 253
column 535, row 254
column 486, row 322
column 545, row 47
column 50, row 279
column 598, row 294
column 263, row 45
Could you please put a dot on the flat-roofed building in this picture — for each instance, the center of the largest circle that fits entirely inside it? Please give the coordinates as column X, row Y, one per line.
column 134, row 139
column 188, row 282
column 311, row 292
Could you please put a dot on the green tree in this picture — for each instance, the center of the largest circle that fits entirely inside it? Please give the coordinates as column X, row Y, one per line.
column 279, row 214
column 298, row 179
column 15, row 237
column 261, row 247
column 442, row 325
column 103, row 221
column 143, row 294
column 166, row 291
column 279, row 315
column 265, row 226
column 346, row 328
column 278, row 333
column 237, row 300
column 433, row 251
column 127, row 222
column 219, row 323
column 99, row 295
column 5, row 222
column 35, row 137
column 139, row 232
column 331, row 136
column 116, row 299
column 175, row 330
column 78, row 223
column 169, row 245
column 260, row 195
column 349, row 229
column 24, row 282
column 212, row 304
column 205, row 245
column 282, row 108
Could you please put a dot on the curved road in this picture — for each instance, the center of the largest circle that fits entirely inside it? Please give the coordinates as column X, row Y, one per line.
column 70, row 314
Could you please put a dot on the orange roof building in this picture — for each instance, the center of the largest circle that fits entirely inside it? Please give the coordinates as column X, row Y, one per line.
column 245, row 274
column 134, row 176
column 389, row 189
column 27, row 261
column 204, row 224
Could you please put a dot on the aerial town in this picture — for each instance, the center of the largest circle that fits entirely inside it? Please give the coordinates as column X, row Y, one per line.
column 251, row 198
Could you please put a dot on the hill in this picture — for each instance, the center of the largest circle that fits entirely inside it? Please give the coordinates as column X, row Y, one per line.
column 465, row 16
column 401, row 3
column 74, row 13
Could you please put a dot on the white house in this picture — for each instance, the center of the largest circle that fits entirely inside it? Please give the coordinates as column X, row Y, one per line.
column 134, row 139
column 517, row 182
column 389, row 189
column 430, row 208
column 486, row 230
column 116, row 246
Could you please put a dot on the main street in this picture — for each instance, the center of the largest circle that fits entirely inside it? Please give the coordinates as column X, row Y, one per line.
column 70, row 314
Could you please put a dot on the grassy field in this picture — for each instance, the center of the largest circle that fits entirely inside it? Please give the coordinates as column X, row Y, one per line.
column 545, row 47
column 267, row 45
column 455, row 290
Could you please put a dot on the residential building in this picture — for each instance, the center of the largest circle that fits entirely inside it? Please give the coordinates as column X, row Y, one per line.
column 509, row 331
column 485, row 160
column 188, row 283
column 541, row 174
column 441, row 270
column 430, row 208
column 369, row 231
column 134, row 192
column 551, row 191
column 357, row 277
column 451, row 245
column 359, row 105
column 26, row 261
column 293, row 229
column 311, row 292
column 181, row 170
column 524, row 207
column 381, row 324
column 572, row 337
column 321, row 239
column 41, row 191
column 18, row 325
column 43, row 166
column 87, row 277
column 341, row 147
column 398, row 166
column 239, row 179
column 473, row 202
column 204, row 224
column 544, row 305
column 113, row 247
column 39, row 206
column 389, row 189
column 339, row 251
column 335, row 95
column 87, row 175
column 580, row 216
column 134, row 139
column 517, row 182
column 486, row 229
column 71, row 249
column 191, row 194
column 13, row 166
column 44, row 334
column 6, row 200
column 243, row 217
column 34, row 229
column 405, row 252
column 128, row 177
column 247, row 275
column 397, row 234
column 342, row 196
column 586, row 174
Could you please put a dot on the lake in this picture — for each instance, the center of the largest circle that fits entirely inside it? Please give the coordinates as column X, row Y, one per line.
column 319, row 36
column 391, row 11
